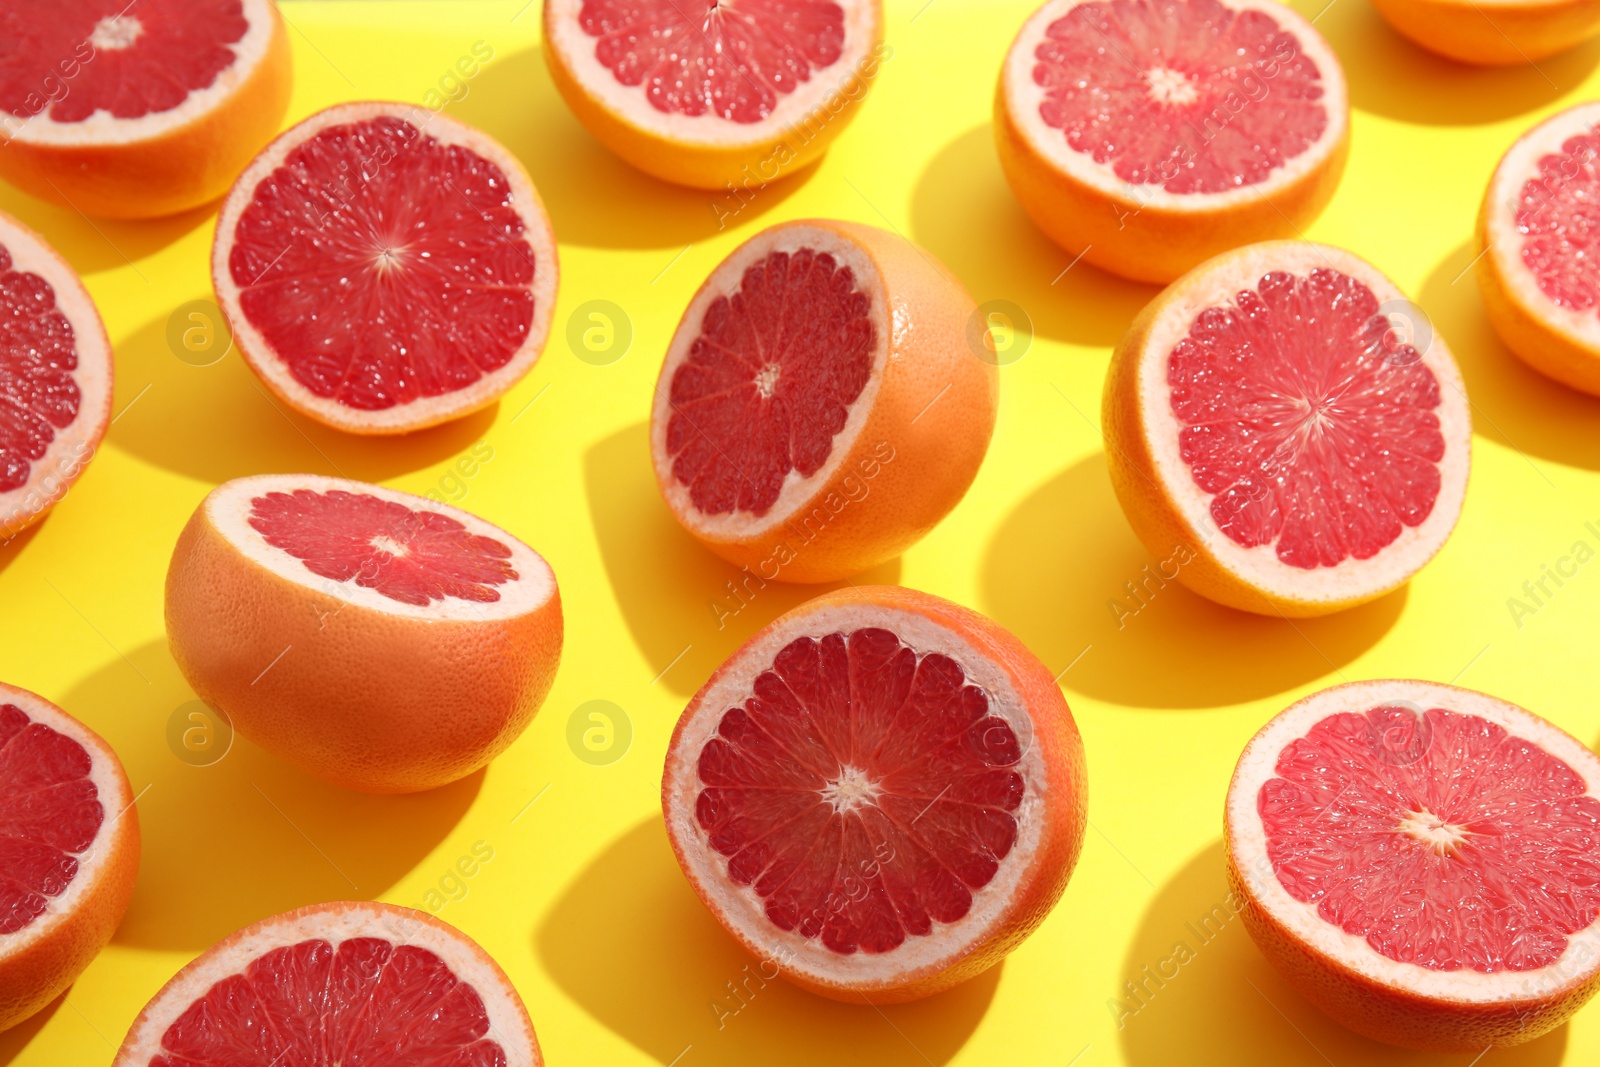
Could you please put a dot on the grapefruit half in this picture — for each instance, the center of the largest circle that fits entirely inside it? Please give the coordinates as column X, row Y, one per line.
column 822, row 405
column 1270, row 423
column 1540, row 281
column 1148, row 135
column 386, row 268
column 370, row 637
column 882, row 792
column 730, row 93
column 340, row 983
column 55, row 377
column 138, row 108
column 69, row 850
column 1503, row 33
column 1420, row 862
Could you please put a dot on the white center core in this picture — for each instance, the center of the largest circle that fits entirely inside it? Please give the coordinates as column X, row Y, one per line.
column 767, row 380
column 1433, row 831
column 1168, row 86
column 389, row 545
column 851, row 790
column 115, row 32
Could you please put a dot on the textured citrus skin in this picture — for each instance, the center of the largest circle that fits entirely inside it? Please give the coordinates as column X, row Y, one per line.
column 699, row 166
column 1386, row 1013
column 1064, row 792
column 1149, row 242
column 366, row 700
column 49, row 955
column 182, row 168
column 933, row 416
column 1502, row 34
column 216, row 959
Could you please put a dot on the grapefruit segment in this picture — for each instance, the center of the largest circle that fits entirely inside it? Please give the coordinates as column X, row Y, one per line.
column 383, row 271
column 881, row 788
column 1419, row 861
column 819, row 408
column 1267, row 413
column 1149, row 135
column 69, row 850
column 344, row 983
column 714, row 94
column 142, row 108
column 373, row 638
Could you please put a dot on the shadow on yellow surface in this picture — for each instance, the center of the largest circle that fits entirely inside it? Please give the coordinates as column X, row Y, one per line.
column 1055, row 574
column 248, row 836
column 594, row 198
column 12, row 547
column 633, row 944
column 964, row 212
column 14, row 1042
column 674, row 593
column 219, row 422
column 1217, row 996
column 1390, row 76
column 1511, row 403
column 100, row 244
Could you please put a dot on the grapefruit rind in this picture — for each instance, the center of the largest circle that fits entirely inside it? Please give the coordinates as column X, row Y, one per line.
column 1501, row 34
column 337, row 922
column 424, row 411
column 1156, row 486
column 1390, row 1000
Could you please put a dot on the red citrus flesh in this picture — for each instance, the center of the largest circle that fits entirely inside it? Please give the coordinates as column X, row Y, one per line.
column 1558, row 214
column 734, row 59
column 38, row 355
column 1326, row 450
column 769, row 381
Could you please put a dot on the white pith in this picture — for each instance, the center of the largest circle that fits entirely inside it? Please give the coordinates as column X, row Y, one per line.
column 103, row 128
column 1023, row 97
column 229, row 508
column 797, row 491
column 52, row 475
column 116, row 32
column 265, row 361
column 1520, row 163
column 1216, row 283
column 629, row 103
column 337, row 923
column 1247, row 840
column 743, row 909
column 111, row 787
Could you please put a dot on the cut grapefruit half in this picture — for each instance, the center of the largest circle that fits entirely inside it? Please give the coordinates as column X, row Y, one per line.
column 55, row 377
column 1499, row 34
column 1270, row 423
column 822, row 405
column 1420, row 862
column 1148, row 135
column 882, row 792
column 1537, row 270
column 69, row 850
column 341, row 983
column 386, row 268
column 138, row 108
column 715, row 93
column 370, row 637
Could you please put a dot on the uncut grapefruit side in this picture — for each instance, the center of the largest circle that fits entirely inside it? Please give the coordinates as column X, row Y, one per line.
column 385, row 268
column 138, row 109
column 375, row 639
column 69, row 850
column 348, row 982
column 728, row 95
column 55, row 377
column 1270, row 424
column 823, row 403
column 1505, row 33
column 882, row 792
column 1540, row 283
column 1418, row 861
column 1231, row 126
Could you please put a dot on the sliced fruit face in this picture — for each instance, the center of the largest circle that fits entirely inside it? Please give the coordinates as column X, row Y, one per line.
column 386, row 268
column 1430, row 840
column 343, row 983
column 55, row 377
column 1181, row 105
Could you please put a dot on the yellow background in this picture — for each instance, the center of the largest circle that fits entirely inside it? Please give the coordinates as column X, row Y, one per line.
column 582, row 903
